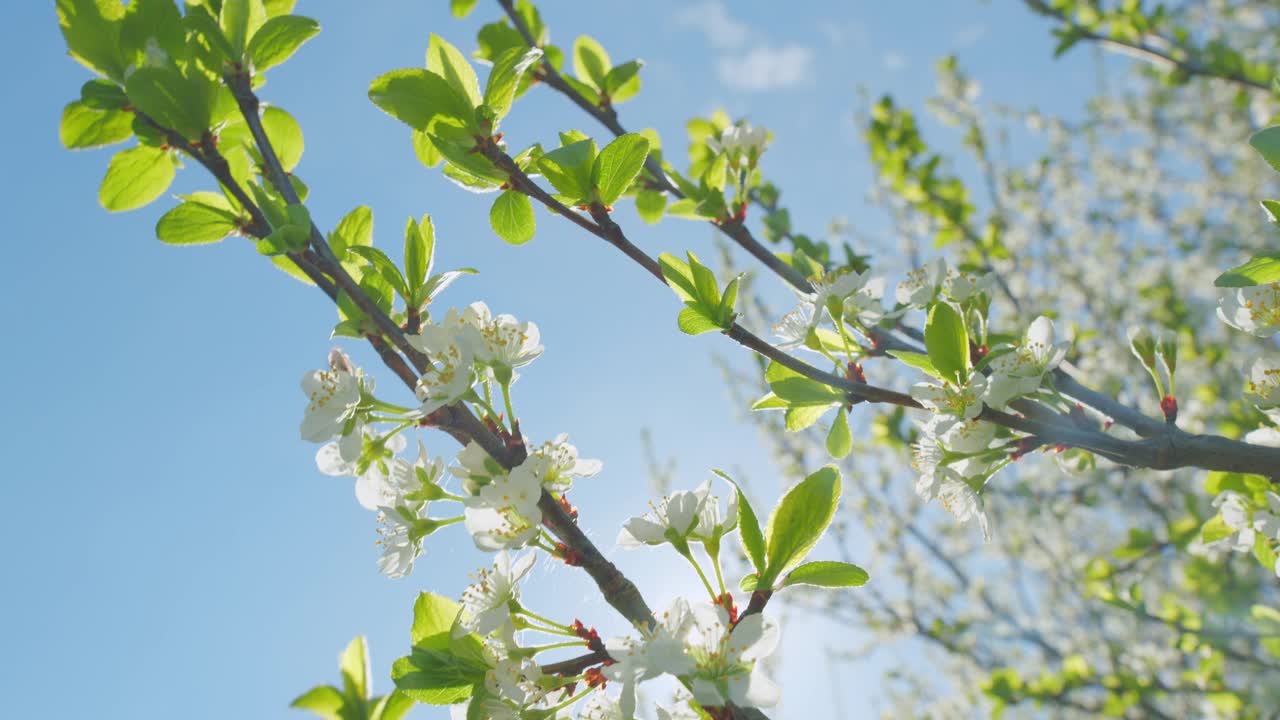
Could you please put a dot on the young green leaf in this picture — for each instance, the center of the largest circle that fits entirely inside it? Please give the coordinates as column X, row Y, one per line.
column 417, row 97
column 947, row 341
column 512, row 217
column 87, row 127
column 840, row 439
column 623, row 82
column 704, row 283
column 279, row 38
column 355, row 229
column 417, row 256
column 202, row 218
column 569, row 168
column 799, row 417
column 239, row 20
column 1267, row 143
column 384, row 266
column 1260, row 270
column 919, row 361
column 694, row 321
column 748, row 526
column 770, row 402
column 799, row 520
column 448, row 62
column 285, row 135
column 590, row 62
column 678, row 276
column 508, row 70
column 171, row 99
column 354, row 663
column 92, row 31
column 435, row 677
column 797, row 389
column 461, row 8
column 326, row 701
column 135, row 177
column 617, row 165
column 650, row 204
column 102, row 94
column 827, row 573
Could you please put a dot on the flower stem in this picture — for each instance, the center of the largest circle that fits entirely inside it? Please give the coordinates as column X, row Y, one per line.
column 701, row 575
column 522, row 610
column 506, row 400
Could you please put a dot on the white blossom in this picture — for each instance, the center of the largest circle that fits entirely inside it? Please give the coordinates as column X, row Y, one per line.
column 1255, row 309
column 400, row 538
column 961, row 286
column 487, row 602
column 1263, row 388
column 961, row 500
column 794, row 328
column 726, row 659
column 451, row 349
column 964, row 402
column 504, row 514
column 602, row 707
column 657, row 651
column 738, row 140
column 922, row 284
column 504, row 342
column 676, row 513
column 1021, row 371
column 682, row 710
column 563, row 464
column 333, row 398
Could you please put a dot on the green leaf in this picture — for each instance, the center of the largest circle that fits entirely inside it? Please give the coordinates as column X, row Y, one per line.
column 508, row 69
column 799, row 520
column 92, row 31
column 279, row 38
column 285, row 135
column 693, row 321
column 135, row 177
column 947, row 341
column 325, row 701
column 799, row 417
column 1272, row 208
column 770, row 402
column 355, row 229
column 797, row 389
column 449, row 63
column 203, row 218
column 425, row 150
column 678, row 276
column 512, row 217
column 919, row 361
column 239, row 20
column 617, row 165
column 435, row 677
column 569, row 168
column 1260, row 270
column 354, row 662
column 171, row 99
column 827, row 573
column 704, row 282
column 840, row 439
column 748, row 583
column 384, row 266
column 102, row 94
column 590, row 62
column 461, row 8
column 87, row 127
column 1267, row 143
column 623, row 82
column 433, row 617
column 392, row 706
column 748, row 526
column 417, row 97
column 417, row 255
column 278, row 7
column 650, row 204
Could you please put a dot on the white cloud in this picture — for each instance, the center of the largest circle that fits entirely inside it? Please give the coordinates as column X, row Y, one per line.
column 712, row 19
column 767, row 68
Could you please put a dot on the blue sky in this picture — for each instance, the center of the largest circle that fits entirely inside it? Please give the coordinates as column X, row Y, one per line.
column 170, row 549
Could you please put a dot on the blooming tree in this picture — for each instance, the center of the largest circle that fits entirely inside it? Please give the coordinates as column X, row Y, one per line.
column 974, row 362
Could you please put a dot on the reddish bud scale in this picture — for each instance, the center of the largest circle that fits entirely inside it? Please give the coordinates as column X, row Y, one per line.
column 854, row 372
column 977, row 353
column 569, row 510
column 594, row 678
column 726, row 601
column 571, row 557
column 1169, row 405
column 1107, row 425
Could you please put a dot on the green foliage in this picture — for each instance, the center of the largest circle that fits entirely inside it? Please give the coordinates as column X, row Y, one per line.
column 84, row 126
column 749, row 532
column 947, row 340
column 512, row 217
column 595, row 77
column 798, row 522
column 354, row 701
column 840, row 438
column 1260, row 270
column 279, row 38
column 203, row 217
column 706, row 307
column 441, row 669
column 826, row 573
column 617, row 166
column 569, row 168
column 136, row 177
